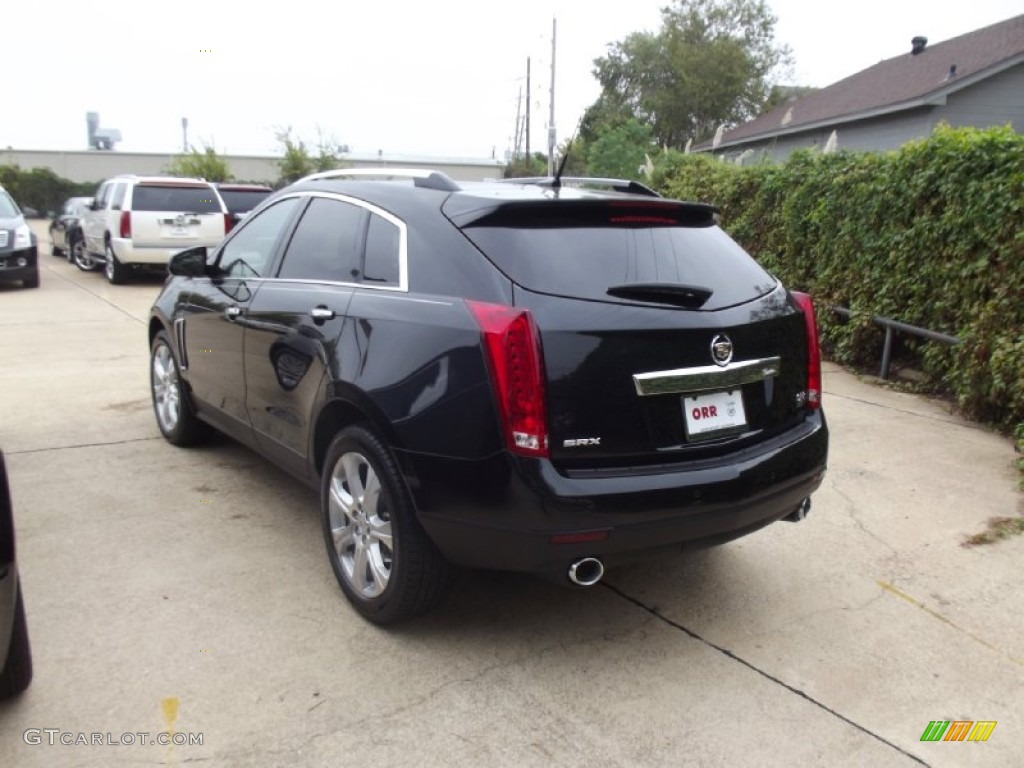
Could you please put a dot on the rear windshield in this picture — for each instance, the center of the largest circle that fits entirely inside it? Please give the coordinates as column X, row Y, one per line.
column 177, row 199
column 585, row 261
column 242, row 200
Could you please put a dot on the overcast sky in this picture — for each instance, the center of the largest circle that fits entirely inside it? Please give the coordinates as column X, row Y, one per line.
column 438, row 78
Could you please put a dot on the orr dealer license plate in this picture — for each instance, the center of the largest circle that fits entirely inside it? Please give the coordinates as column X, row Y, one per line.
column 714, row 414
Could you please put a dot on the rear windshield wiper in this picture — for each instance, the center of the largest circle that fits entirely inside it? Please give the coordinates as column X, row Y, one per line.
column 688, row 296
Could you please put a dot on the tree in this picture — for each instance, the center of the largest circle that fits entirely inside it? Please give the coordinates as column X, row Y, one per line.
column 297, row 161
column 620, row 152
column 526, row 167
column 201, row 165
column 709, row 64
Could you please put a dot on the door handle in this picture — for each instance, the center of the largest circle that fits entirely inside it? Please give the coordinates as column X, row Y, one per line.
column 233, row 312
column 321, row 313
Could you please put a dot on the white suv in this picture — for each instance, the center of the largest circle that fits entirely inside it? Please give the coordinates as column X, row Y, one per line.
column 144, row 220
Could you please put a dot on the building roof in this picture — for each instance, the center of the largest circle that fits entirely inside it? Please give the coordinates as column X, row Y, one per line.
column 895, row 84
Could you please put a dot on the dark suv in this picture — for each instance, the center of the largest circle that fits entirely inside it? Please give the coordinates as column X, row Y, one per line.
column 541, row 377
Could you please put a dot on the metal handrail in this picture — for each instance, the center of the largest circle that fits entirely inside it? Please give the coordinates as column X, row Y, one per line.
column 891, row 325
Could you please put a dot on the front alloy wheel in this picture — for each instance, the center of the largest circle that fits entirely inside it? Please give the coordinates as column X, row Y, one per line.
column 173, row 409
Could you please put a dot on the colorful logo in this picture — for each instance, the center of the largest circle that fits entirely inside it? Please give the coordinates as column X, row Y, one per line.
column 958, row 730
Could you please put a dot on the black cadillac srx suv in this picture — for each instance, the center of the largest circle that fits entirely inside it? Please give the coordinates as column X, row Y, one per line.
column 545, row 376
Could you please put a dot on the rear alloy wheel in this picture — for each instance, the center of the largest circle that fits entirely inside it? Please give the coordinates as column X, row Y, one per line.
column 386, row 565
column 173, row 408
column 17, row 670
column 116, row 272
column 80, row 257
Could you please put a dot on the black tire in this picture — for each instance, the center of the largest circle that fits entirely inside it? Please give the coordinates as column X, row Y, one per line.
column 17, row 671
column 116, row 272
column 80, row 257
column 379, row 520
column 31, row 282
column 55, row 251
column 172, row 406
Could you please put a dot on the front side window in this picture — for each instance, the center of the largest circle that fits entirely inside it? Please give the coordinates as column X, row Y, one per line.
column 250, row 251
column 8, row 210
column 327, row 243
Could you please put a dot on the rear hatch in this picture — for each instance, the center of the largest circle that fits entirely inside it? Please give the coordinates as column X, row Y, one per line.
column 662, row 339
column 171, row 214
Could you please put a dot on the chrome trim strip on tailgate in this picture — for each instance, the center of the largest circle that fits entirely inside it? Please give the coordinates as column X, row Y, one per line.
column 706, row 377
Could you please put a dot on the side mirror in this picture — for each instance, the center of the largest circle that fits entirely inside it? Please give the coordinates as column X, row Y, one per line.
column 189, row 263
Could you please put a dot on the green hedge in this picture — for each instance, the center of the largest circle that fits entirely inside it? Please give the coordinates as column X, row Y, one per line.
column 41, row 188
column 930, row 234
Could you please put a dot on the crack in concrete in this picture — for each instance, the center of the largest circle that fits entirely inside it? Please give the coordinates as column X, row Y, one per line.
column 105, row 300
column 851, row 511
column 950, row 421
column 768, row 676
column 81, row 445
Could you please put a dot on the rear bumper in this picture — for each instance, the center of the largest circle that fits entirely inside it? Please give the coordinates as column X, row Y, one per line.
column 129, row 253
column 502, row 514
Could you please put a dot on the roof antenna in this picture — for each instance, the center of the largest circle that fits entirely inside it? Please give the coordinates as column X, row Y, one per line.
column 557, row 182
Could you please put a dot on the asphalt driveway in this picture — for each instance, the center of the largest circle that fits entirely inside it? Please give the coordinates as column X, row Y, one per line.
column 188, row 591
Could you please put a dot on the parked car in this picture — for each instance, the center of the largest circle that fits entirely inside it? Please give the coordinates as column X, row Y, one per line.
column 242, row 198
column 141, row 221
column 527, row 377
column 18, row 247
column 15, row 653
column 66, row 231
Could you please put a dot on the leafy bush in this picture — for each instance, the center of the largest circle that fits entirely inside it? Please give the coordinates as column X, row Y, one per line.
column 929, row 234
column 41, row 188
column 206, row 164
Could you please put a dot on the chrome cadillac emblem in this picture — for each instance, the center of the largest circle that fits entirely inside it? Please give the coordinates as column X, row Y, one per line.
column 721, row 349
column 179, row 221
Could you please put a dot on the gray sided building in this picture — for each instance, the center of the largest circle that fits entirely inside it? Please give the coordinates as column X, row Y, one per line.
column 95, row 166
column 975, row 80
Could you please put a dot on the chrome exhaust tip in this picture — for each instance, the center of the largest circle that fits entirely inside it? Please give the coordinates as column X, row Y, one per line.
column 586, row 571
column 800, row 513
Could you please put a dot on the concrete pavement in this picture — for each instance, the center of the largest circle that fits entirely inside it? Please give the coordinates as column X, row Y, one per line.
column 189, row 590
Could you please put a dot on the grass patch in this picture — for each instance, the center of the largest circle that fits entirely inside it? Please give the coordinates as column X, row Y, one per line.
column 998, row 528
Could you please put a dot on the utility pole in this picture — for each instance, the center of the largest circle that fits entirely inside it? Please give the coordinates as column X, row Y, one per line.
column 184, row 135
column 518, row 140
column 551, row 121
column 528, row 109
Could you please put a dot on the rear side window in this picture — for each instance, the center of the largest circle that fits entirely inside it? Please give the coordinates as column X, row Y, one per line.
column 585, row 261
column 382, row 253
column 174, row 198
column 327, row 243
column 118, row 199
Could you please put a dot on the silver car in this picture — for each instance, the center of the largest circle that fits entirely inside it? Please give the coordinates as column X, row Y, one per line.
column 18, row 251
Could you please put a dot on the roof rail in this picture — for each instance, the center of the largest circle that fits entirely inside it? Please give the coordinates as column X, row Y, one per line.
column 619, row 185
column 421, row 177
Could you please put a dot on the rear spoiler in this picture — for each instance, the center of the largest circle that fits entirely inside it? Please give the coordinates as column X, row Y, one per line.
column 587, row 212
column 619, row 185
